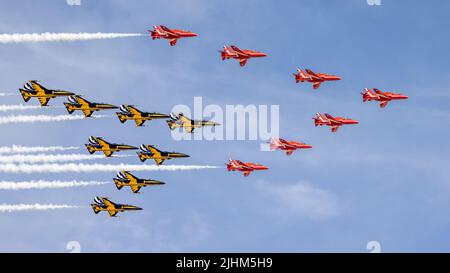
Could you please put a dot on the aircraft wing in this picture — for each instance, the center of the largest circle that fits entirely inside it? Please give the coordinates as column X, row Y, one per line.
column 316, row 85
column 81, row 101
column 102, row 142
column 328, row 116
column 153, row 150
column 135, row 188
column 188, row 124
column 39, row 88
column 332, row 119
column 139, row 121
column 159, row 161
column 112, row 213
column 238, row 51
column 312, row 74
column 129, row 176
column 133, row 110
column 43, row 100
column 87, row 113
column 107, row 202
column 168, row 31
column 108, row 153
column 242, row 62
column 381, row 94
column 246, row 167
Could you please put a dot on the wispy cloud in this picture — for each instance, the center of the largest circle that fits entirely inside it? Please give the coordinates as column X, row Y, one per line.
column 298, row 200
column 60, row 37
column 87, row 168
column 25, row 207
column 34, row 149
column 42, row 184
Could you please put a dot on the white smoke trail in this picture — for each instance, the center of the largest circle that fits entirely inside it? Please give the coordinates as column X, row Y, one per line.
column 18, row 107
column 7, row 94
column 49, row 158
column 59, row 37
column 42, row 184
column 34, row 149
column 24, row 207
column 41, row 118
column 87, row 168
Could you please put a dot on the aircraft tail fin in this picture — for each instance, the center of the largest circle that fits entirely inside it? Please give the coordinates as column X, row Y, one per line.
column 90, row 149
column 225, row 53
column 95, row 209
column 121, row 117
column 118, row 183
column 141, row 157
column 70, row 108
column 26, row 97
column 172, row 125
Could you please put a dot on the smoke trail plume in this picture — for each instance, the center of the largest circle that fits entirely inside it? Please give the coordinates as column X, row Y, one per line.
column 40, row 118
column 34, row 149
column 49, row 158
column 42, row 184
column 60, row 37
column 18, row 107
column 87, row 168
column 24, row 207
column 7, row 94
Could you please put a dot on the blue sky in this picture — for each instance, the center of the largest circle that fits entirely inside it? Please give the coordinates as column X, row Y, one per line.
column 385, row 179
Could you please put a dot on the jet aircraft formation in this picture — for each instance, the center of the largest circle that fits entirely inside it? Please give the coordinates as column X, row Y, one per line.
column 33, row 89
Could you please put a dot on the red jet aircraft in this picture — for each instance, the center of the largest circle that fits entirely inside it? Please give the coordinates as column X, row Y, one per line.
column 288, row 146
column 242, row 55
column 382, row 97
column 334, row 122
column 171, row 34
column 246, row 168
column 315, row 78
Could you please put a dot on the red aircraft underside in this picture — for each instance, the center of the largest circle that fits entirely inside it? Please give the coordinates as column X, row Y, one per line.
column 246, row 168
column 288, row 146
column 242, row 55
column 315, row 78
column 171, row 34
column 333, row 122
column 382, row 97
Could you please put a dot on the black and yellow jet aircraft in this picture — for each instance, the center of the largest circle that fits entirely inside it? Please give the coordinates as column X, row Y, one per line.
column 99, row 144
column 76, row 102
column 129, row 112
column 104, row 204
column 32, row 89
column 125, row 178
column 150, row 152
column 181, row 121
